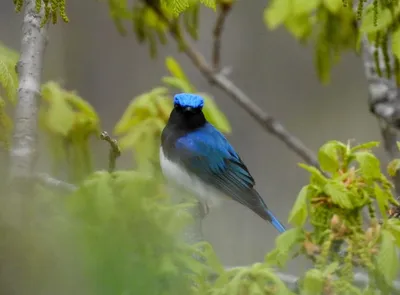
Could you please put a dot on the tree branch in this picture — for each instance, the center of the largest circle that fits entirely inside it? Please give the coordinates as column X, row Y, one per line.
column 268, row 122
column 384, row 99
column 224, row 10
column 29, row 68
column 50, row 182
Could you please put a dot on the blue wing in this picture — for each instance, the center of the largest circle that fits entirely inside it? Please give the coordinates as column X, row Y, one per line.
column 208, row 154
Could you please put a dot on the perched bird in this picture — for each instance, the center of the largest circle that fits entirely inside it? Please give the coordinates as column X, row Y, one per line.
column 196, row 157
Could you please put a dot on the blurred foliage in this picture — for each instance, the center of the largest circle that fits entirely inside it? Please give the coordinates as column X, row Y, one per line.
column 143, row 120
column 332, row 27
column 68, row 121
column 338, row 242
column 8, row 91
column 52, row 9
column 150, row 19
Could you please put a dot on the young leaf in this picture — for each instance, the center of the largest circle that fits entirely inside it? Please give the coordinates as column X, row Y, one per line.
column 313, row 282
column 393, row 225
column 333, row 5
column 386, row 261
column 60, row 116
column 382, row 200
column 369, row 164
column 214, row 115
column 328, row 155
column 177, row 83
column 338, row 194
column 393, row 166
column 276, row 13
column 365, row 146
column 175, row 69
column 298, row 214
column 314, row 173
column 301, row 7
column 368, row 24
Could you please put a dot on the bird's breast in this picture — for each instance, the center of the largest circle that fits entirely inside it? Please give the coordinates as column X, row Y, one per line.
column 177, row 175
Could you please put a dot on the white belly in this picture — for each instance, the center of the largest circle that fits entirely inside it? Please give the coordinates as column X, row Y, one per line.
column 178, row 176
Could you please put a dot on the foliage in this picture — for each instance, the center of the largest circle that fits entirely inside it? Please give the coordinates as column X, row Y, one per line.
column 150, row 19
column 69, row 121
column 338, row 242
column 143, row 120
column 52, row 9
column 332, row 26
column 8, row 83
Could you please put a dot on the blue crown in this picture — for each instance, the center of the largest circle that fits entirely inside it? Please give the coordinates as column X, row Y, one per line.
column 188, row 100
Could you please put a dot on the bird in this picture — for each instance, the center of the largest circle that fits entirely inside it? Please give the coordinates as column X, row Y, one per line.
column 196, row 157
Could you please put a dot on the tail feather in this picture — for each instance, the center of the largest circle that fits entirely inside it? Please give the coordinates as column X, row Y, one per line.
column 276, row 223
column 262, row 210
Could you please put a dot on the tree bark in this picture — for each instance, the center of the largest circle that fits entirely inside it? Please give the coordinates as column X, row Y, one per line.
column 29, row 68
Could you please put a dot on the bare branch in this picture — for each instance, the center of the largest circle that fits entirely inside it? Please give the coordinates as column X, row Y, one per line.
column 268, row 122
column 53, row 183
column 114, row 153
column 29, row 68
column 224, row 10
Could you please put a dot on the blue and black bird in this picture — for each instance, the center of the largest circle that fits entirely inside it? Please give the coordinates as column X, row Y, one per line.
column 196, row 157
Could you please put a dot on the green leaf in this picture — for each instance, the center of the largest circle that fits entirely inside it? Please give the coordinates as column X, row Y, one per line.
column 210, row 4
column 369, row 164
column 300, row 26
column 276, row 13
column 328, row 155
column 393, row 167
column 315, row 173
column 298, row 214
column 177, row 83
column 313, row 282
column 365, row 146
column 387, row 261
column 331, row 268
column 339, row 194
column 300, row 7
column 398, row 145
column 284, row 244
column 322, row 60
column 396, row 43
column 385, row 19
column 175, row 69
column 60, row 116
column 382, row 200
column 333, row 5
column 393, row 225
column 214, row 115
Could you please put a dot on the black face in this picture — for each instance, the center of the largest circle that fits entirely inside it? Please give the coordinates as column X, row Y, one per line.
column 187, row 118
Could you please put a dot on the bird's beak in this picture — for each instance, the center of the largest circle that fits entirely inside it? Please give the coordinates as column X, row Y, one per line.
column 188, row 109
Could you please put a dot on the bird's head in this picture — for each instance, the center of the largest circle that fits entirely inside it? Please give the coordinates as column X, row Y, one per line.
column 187, row 112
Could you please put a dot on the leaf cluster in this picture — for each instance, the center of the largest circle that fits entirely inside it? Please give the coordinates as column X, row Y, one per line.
column 52, row 10
column 8, row 91
column 152, row 28
column 339, row 242
column 332, row 27
column 69, row 122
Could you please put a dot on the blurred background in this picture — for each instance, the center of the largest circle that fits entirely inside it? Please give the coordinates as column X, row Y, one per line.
column 88, row 55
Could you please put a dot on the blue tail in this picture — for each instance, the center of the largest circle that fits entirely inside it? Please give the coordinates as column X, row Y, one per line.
column 276, row 223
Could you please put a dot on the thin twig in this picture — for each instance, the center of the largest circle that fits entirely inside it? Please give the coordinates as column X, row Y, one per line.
column 114, row 152
column 268, row 122
column 29, row 68
column 224, row 10
column 53, row 183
